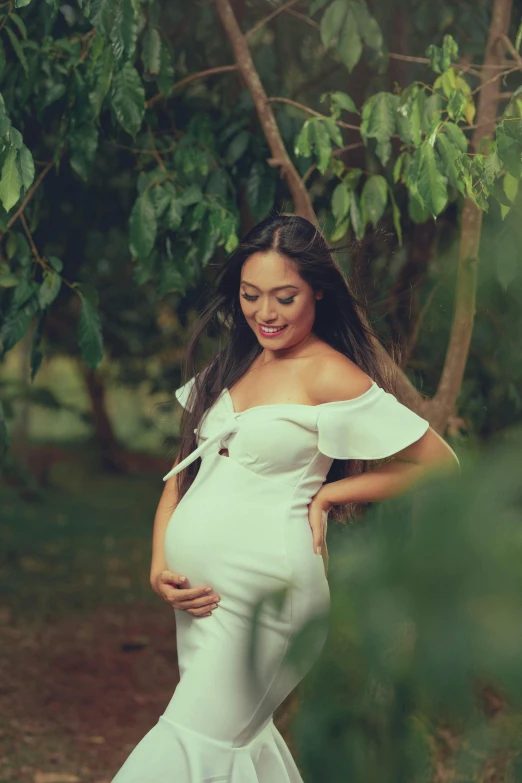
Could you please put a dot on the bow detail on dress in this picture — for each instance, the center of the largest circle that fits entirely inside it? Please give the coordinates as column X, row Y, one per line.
column 217, row 425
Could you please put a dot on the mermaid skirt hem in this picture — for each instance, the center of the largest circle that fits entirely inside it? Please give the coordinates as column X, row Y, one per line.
column 171, row 753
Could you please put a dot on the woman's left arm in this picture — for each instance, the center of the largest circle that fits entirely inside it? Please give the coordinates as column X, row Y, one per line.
column 429, row 454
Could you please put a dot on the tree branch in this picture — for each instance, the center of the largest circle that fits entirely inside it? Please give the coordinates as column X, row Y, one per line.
column 302, row 203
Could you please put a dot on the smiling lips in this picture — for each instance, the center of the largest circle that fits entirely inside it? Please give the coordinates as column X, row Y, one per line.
column 270, row 331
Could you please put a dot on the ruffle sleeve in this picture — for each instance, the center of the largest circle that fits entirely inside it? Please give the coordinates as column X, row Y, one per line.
column 374, row 425
column 182, row 394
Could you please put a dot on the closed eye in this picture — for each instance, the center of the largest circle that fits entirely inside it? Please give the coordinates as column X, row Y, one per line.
column 283, row 301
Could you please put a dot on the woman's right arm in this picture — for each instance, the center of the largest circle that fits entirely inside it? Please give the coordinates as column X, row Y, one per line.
column 167, row 503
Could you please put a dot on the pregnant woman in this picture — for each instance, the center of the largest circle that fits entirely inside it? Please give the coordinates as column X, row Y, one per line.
column 271, row 428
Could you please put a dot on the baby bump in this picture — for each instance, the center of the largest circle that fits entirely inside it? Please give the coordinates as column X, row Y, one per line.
column 228, row 530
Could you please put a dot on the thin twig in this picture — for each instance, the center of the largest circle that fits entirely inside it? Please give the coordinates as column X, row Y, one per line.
column 513, row 52
column 495, row 77
column 267, row 18
column 312, row 111
column 28, row 234
column 154, row 150
column 192, row 77
column 30, row 194
column 408, row 59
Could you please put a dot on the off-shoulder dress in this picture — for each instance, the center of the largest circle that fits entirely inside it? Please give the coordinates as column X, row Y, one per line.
column 243, row 528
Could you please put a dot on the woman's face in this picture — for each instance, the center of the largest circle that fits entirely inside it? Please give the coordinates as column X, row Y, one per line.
column 273, row 294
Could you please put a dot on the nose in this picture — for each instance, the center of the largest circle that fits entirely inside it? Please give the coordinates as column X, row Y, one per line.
column 266, row 311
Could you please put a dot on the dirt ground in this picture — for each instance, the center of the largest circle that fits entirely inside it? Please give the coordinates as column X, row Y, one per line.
column 78, row 694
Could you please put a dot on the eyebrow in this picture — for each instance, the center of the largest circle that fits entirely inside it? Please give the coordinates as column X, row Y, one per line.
column 277, row 288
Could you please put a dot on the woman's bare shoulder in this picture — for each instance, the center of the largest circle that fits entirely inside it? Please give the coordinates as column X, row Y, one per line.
column 334, row 377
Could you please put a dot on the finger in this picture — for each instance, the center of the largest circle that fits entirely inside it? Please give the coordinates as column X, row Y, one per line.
column 194, row 592
column 169, row 577
column 317, row 538
column 199, row 612
column 208, row 600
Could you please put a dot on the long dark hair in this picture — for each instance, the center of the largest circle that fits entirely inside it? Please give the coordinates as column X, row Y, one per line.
column 339, row 321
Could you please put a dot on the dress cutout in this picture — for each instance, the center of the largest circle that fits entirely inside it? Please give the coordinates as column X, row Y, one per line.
column 243, row 529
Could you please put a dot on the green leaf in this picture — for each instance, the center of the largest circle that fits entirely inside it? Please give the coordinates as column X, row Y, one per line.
column 450, row 51
column 26, row 167
column 36, row 354
column 83, row 144
column 509, row 145
column 518, row 39
column 143, row 227
column 434, row 54
column 332, row 21
column 9, row 280
column 165, row 78
column 456, row 136
column 303, row 142
column 351, row 178
column 379, row 122
column 356, row 216
column 151, row 51
column 174, row 213
column 237, row 147
column 129, row 27
column 349, row 45
column 25, row 289
column 160, row 198
column 449, row 154
column 55, row 263
column 431, row 184
column 124, row 29
column 510, row 186
column 128, row 99
column 456, row 105
column 102, row 16
column 15, row 43
column 343, row 101
column 19, row 22
column 316, row 6
column 370, row 32
column 49, row 289
column 440, row 58
column 340, row 231
column 416, row 210
column 397, row 168
column 492, row 166
column 410, row 109
column 396, row 217
column 90, row 337
column 5, row 439
column 260, row 190
column 21, row 3
column 102, row 78
column 10, row 182
column 333, row 131
column 16, row 324
column 340, row 202
column 374, row 197
column 322, row 146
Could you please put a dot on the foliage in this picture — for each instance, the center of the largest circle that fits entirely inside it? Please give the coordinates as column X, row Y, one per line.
column 80, row 85
column 421, row 669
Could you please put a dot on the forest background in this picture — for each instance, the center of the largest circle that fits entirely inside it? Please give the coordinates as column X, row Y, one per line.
column 139, row 141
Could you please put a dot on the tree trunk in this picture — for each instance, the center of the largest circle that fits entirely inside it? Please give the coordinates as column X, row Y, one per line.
column 104, row 432
column 441, row 406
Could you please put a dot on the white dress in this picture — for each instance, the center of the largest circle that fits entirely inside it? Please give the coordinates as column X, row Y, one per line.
column 243, row 529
